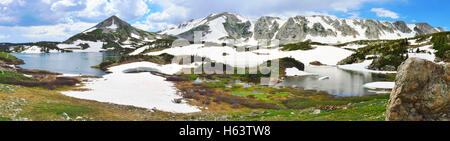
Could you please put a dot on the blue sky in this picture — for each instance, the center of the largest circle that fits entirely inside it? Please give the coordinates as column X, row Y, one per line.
column 57, row 20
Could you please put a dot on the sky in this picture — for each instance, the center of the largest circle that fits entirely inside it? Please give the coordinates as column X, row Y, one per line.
column 57, row 20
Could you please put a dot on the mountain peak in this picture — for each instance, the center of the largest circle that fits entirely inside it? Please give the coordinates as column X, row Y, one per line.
column 112, row 23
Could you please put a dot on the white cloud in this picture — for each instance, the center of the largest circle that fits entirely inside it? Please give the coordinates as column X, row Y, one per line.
column 6, row 18
column 153, row 26
column 5, row 2
column 385, row 13
column 126, row 9
column 59, row 32
column 63, row 4
column 4, row 36
column 177, row 11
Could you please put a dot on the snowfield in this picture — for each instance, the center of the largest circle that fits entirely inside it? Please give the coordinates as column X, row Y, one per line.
column 137, row 89
column 295, row 72
column 36, row 49
column 430, row 56
column 380, row 85
column 93, row 46
column 325, row 54
column 362, row 67
column 139, row 50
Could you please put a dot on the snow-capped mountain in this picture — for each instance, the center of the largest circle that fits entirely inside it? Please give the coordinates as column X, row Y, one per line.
column 110, row 34
column 326, row 29
column 114, row 32
column 114, row 29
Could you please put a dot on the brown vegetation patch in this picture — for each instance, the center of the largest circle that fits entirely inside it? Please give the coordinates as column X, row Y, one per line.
column 58, row 82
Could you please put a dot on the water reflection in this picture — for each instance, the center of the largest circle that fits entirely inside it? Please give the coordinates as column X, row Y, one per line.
column 340, row 82
column 67, row 63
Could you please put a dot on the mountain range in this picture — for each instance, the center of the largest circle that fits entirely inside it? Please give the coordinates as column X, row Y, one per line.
column 114, row 33
column 318, row 28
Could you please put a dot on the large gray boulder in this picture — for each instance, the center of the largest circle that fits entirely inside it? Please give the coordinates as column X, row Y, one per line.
column 421, row 92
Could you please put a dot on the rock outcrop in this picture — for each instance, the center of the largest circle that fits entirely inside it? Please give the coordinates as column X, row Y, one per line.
column 266, row 27
column 424, row 28
column 421, row 92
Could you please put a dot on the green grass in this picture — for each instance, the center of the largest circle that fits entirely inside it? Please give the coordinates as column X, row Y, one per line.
column 4, row 119
column 7, row 77
column 305, row 102
column 190, row 76
column 372, row 110
column 297, row 46
column 262, row 96
column 8, row 58
column 59, row 109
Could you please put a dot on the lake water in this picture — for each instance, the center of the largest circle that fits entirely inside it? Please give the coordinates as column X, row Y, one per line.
column 66, row 63
column 339, row 82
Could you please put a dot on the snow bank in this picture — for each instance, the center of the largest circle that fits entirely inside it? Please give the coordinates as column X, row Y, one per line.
column 113, row 25
column 75, row 46
column 32, row 49
column 325, row 54
column 380, row 85
column 362, row 67
column 36, row 49
column 136, row 89
column 295, row 72
column 429, row 55
column 139, row 50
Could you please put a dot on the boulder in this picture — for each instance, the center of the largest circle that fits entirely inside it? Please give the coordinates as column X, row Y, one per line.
column 317, row 63
column 421, row 92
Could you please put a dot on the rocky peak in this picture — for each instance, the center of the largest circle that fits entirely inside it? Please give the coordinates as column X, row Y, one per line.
column 266, row 27
column 318, row 28
column 424, row 28
column 440, row 29
column 225, row 15
column 401, row 25
column 113, row 23
column 421, row 92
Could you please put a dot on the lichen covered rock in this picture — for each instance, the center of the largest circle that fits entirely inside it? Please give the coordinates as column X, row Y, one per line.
column 421, row 92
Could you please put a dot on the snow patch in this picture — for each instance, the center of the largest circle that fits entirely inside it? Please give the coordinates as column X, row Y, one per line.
column 362, row 67
column 139, row 50
column 325, row 54
column 113, row 25
column 75, row 46
column 380, row 85
column 137, row 89
column 295, row 72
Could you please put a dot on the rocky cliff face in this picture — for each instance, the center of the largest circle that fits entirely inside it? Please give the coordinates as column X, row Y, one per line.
column 421, row 92
column 424, row 28
column 325, row 29
column 266, row 27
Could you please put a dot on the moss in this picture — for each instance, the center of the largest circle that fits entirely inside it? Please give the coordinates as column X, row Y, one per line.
column 10, row 77
column 59, row 109
column 4, row 119
column 297, row 46
column 10, row 59
column 190, row 76
column 306, row 102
